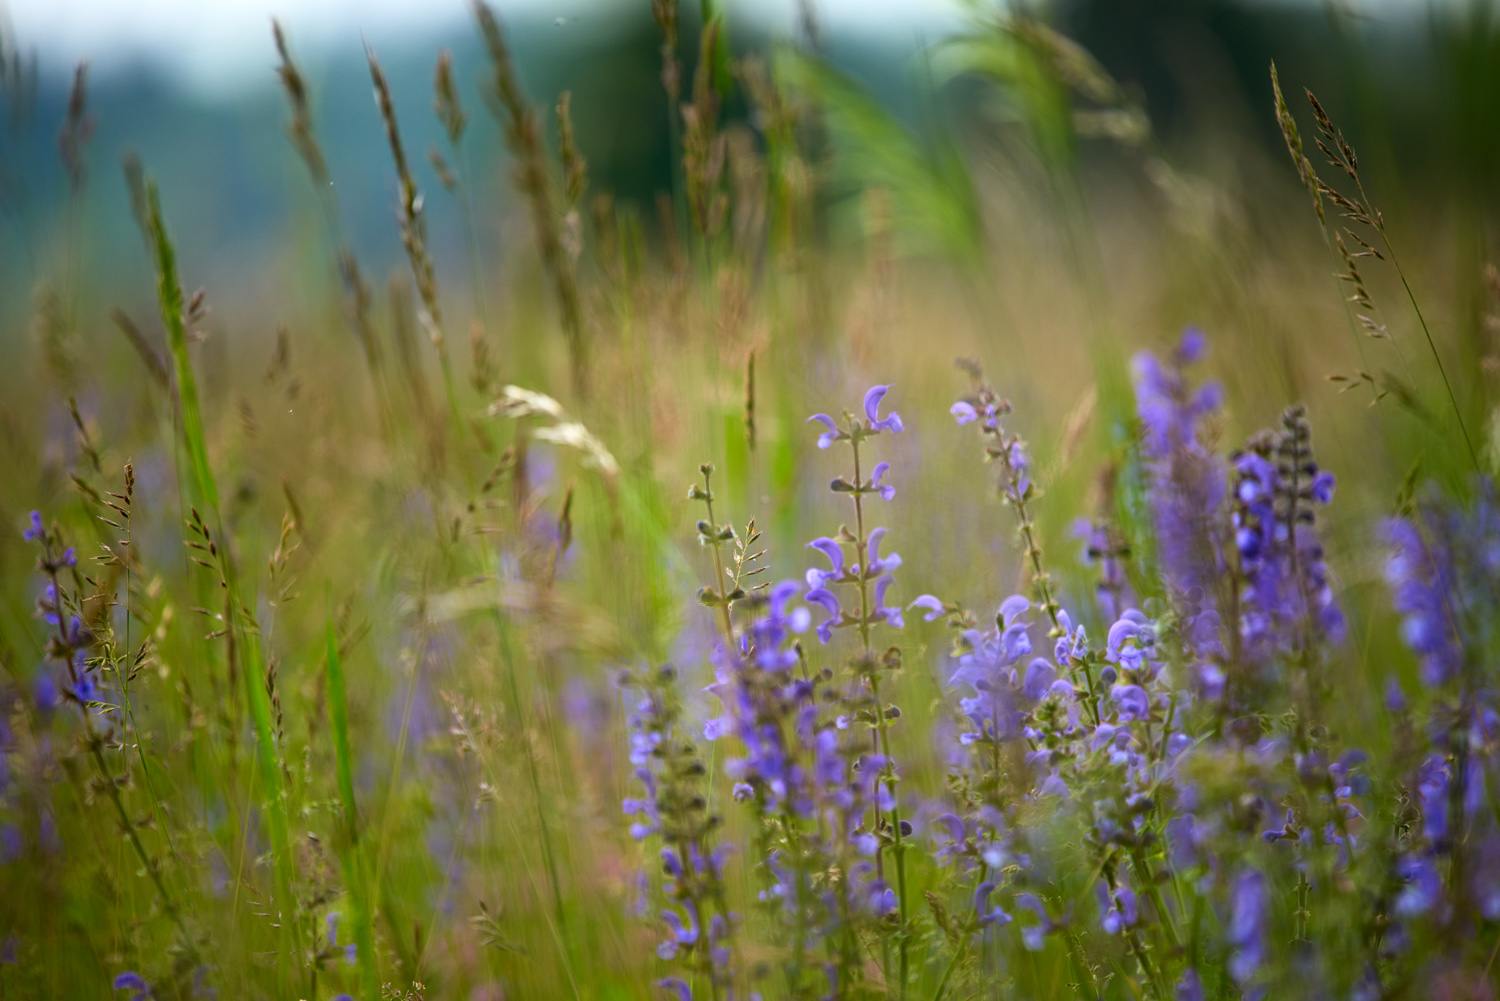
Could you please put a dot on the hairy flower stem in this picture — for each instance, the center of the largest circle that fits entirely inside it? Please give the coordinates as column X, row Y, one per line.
column 882, row 725
column 95, row 741
column 716, row 544
column 1153, row 891
column 1016, row 493
column 1303, row 912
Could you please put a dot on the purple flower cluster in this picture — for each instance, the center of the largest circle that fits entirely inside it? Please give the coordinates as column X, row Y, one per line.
column 1444, row 574
column 1176, row 769
column 1287, row 602
column 1187, row 477
column 673, row 810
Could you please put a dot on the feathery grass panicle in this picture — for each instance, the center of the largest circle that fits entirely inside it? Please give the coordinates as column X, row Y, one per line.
column 413, row 225
column 304, row 139
column 508, row 102
column 1359, row 210
column 703, row 145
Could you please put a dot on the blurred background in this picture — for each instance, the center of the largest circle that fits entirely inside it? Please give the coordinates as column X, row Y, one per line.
column 842, row 193
column 192, row 87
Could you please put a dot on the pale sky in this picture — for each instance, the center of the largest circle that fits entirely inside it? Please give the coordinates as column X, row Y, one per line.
column 219, row 45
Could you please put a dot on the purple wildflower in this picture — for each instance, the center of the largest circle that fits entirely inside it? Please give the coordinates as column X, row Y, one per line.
column 1033, row 935
column 332, row 923
column 1189, row 986
column 1248, row 905
column 988, row 915
column 935, row 608
column 131, row 981
column 829, row 436
column 1444, row 574
column 1187, row 480
column 1118, row 908
column 1287, row 601
column 872, row 411
column 1103, row 547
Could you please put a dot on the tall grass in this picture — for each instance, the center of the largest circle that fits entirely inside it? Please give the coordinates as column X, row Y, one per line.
column 310, row 686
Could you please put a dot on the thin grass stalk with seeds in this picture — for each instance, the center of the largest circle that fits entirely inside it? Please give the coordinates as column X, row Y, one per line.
column 356, row 290
column 1340, row 154
column 414, row 237
column 451, row 115
column 238, row 623
column 351, row 851
column 523, row 138
column 68, row 646
column 1310, row 181
column 77, row 131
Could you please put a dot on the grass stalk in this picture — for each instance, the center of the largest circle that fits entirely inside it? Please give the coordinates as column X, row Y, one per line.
column 169, row 294
column 350, row 848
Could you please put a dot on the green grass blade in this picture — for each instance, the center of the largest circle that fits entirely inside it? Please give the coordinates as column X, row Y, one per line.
column 351, row 855
column 273, row 786
column 169, row 293
column 205, row 491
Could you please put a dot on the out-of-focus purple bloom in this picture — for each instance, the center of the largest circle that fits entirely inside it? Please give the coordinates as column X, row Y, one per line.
column 643, row 807
column 988, row 915
column 35, row 530
column 1248, row 906
column 1193, row 346
column 874, row 563
column 1395, row 696
column 1040, row 674
column 1132, row 702
column 891, row 613
column 1444, row 574
column 1018, row 464
column 677, row 987
column 817, row 578
column 987, row 666
column 1103, row 548
column 1182, row 841
column 131, row 981
column 1187, row 479
column 951, row 836
column 1033, row 935
column 825, row 599
column 1288, row 831
column 682, row 934
column 1053, row 785
column 1118, row 909
column 1189, row 986
column 934, row 607
column 1287, row 601
column 332, row 923
column 771, row 633
column 1422, row 889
